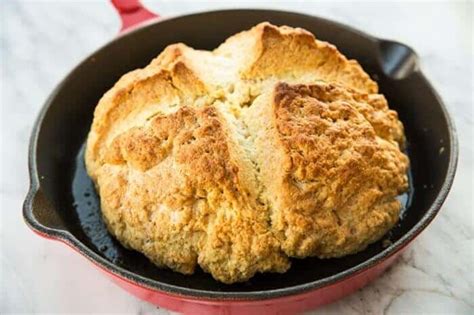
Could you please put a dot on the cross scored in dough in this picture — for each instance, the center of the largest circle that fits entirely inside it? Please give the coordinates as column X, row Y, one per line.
column 273, row 145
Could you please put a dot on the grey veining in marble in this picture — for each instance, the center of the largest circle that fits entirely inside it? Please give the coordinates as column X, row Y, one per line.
column 42, row 40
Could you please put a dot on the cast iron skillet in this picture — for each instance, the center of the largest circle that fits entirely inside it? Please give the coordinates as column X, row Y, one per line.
column 62, row 203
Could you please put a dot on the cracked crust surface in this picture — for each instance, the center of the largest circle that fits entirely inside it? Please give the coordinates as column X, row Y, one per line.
column 273, row 145
column 331, row 179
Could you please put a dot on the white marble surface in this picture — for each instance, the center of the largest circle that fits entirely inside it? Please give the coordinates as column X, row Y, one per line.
column 42, row 40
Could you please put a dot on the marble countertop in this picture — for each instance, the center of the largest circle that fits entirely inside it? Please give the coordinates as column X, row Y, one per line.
column 42, row 40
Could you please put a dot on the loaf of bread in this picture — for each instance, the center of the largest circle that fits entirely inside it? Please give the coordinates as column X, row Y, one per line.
column 272, row 146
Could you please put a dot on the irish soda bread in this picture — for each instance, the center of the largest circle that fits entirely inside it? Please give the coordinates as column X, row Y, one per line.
column 273, row 145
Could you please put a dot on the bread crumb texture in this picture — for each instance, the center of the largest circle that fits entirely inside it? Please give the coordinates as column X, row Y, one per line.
column 273, row 145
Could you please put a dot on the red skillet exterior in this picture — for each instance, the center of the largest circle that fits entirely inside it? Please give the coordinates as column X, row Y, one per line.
column 283, row 305
column 132, row 13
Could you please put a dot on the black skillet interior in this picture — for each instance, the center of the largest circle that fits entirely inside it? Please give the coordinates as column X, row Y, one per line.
column 74, row 206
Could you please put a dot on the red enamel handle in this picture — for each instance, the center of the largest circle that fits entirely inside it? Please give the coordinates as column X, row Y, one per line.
column 132, row 13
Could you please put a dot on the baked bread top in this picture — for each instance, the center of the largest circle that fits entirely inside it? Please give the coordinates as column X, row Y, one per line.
column 273, row 145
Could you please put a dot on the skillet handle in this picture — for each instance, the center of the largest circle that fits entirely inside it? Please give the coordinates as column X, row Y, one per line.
column 132, row 13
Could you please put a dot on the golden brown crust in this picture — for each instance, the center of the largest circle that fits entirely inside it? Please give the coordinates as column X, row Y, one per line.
column 331, row 181
column 134, row 98
column 287, row 52
column 204, row 158
column 180, row 199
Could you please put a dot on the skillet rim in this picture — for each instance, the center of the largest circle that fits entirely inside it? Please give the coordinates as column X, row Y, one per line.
column 69, row 239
